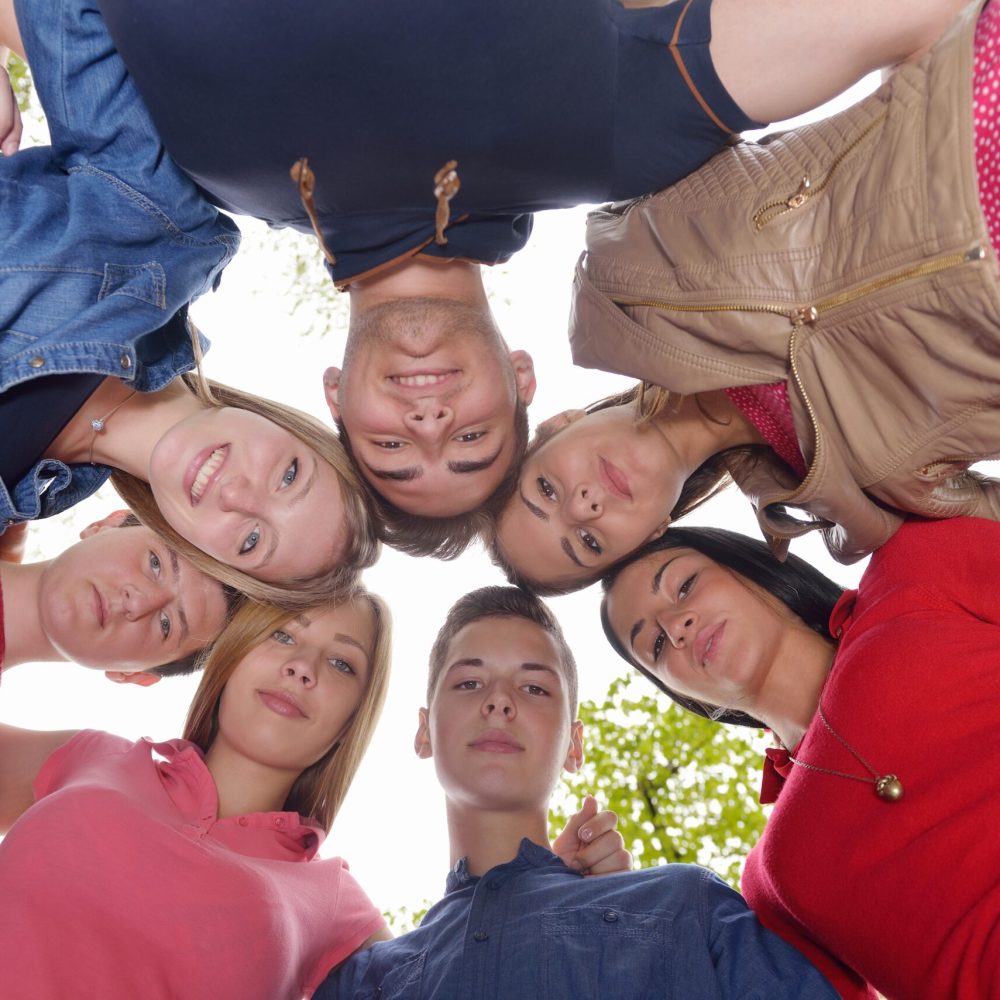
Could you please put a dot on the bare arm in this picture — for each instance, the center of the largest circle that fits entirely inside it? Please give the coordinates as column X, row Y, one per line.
column 22, row 754
column 10, row 114
column 781, row 58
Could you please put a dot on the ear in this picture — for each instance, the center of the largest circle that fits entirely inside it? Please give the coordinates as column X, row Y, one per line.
column 574, row 758
column 331, row 390
column 659, row 529
column 141, row 677
column 422, row 741
column 113, row 520
column 561, row 420
column 524, row 375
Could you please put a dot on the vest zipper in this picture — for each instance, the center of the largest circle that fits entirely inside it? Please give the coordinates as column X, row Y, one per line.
column 802, row 316
column 807, row 189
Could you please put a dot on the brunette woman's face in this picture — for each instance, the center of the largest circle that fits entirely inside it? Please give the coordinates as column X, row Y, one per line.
column 594, row 492
column 702, row 629
column 291, row 697
column 250, row 494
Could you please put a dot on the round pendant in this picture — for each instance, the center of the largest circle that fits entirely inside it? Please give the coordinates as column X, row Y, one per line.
column 889, row 788
column 97, row 424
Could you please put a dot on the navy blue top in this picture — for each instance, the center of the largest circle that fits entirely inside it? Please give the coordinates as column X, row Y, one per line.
column 543, row 104
column 534, row 928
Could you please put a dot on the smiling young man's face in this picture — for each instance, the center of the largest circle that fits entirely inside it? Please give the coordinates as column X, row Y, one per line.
column 427, row 396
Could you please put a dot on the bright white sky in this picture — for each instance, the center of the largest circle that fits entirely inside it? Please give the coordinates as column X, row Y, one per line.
column 392, row 827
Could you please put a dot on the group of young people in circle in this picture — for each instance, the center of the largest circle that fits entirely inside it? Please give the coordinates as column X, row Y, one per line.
column 814, row 316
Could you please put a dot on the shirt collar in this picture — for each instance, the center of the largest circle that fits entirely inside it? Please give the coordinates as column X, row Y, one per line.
column 529, row 855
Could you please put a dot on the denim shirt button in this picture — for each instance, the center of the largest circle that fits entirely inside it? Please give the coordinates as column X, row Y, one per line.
column 610, row 916
column 480, row 936
column 125, row 361
column 37, row 361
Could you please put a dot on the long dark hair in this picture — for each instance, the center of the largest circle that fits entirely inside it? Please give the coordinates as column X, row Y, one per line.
column 802, row 588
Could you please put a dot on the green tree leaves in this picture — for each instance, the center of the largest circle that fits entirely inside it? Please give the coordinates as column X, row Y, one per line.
column 685, row 789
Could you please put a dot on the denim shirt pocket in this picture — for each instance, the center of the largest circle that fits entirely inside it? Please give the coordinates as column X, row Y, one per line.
column 146, row 282
column 587, row 950
column 401, row 981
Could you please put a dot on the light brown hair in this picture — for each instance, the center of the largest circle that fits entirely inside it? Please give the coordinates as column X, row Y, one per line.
column 320, row 789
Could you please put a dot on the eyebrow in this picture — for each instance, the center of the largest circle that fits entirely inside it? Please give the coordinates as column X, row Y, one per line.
column 351, row 641
column 406, row 475
column 564, row 542
column 304, row 492
column 475, row 466
column 175, row 565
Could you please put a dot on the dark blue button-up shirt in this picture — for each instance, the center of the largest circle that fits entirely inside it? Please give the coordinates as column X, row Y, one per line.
column 542, row 103
column 532, row 928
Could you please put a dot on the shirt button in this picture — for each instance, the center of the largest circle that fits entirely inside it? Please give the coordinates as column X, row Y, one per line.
column 37, row 361
column 279, row 821
column 610, row 916
column 125, row 361
column 480, row 935
column 243, row 821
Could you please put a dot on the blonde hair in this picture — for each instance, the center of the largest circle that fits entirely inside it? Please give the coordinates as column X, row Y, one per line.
column 320, row 789
column 293, row 595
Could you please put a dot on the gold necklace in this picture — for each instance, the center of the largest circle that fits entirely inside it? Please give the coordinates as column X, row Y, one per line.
column 887, row 786
column 97, row 424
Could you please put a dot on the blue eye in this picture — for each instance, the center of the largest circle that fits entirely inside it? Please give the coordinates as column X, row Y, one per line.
column 154, row 563
column 341, row 665
column 250, row 542
column 279, row 635
column 290, row 473
column 165, row 624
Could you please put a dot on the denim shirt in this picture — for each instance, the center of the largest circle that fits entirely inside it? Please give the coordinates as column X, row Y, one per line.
column 103, row 240
column 534, row 928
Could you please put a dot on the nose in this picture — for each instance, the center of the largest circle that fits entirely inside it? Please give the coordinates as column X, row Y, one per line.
column 138, row 602
column 429, row 419
column 498, row 702
column 679, row 626
column 586, row 503
column 299, row 670
column 236, row 493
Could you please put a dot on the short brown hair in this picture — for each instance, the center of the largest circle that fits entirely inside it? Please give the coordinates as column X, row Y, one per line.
column 445, row 537
column 501, row 602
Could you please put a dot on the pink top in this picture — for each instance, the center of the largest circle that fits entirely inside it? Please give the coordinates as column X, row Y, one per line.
column 986, row 100
column 768, row 409
column 122, row 882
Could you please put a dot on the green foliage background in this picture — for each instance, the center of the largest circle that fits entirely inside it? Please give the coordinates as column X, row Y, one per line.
column 685, row 789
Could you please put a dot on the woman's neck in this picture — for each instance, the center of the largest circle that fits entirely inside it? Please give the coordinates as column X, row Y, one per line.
column 702, row 425
column 244, row 785
column 133, row 422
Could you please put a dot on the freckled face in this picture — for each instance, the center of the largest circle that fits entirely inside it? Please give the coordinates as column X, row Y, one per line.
column 703, row 630
column 243, row 490
column 291, row 698
column 594, row 492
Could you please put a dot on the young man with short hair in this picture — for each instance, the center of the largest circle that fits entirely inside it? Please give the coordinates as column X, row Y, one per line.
column 120, row 600
column 517, row 922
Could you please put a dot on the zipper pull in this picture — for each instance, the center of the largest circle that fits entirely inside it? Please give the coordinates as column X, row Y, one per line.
column 976, row 253
column 800, row 197
column 805, row 316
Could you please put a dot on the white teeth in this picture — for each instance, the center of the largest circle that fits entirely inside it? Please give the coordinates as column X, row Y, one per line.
column 206, row 472
column 416, row 381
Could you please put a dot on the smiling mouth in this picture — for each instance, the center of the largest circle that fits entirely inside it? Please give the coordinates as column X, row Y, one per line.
column 204, row 475
column 615, row 480
column 423, row 380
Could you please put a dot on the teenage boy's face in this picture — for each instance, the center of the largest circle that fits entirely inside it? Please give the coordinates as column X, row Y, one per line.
column 499, row 725
column 123, row 600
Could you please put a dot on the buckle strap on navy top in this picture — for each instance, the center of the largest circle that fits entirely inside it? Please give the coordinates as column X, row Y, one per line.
column 306, row 180
column 446, row 186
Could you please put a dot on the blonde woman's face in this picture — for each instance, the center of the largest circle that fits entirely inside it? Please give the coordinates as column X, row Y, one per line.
column 250, row 494
column 291, row 697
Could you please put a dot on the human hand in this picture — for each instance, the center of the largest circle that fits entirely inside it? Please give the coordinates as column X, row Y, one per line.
column 590, row 844
column 12, row 542
column 10, row 114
